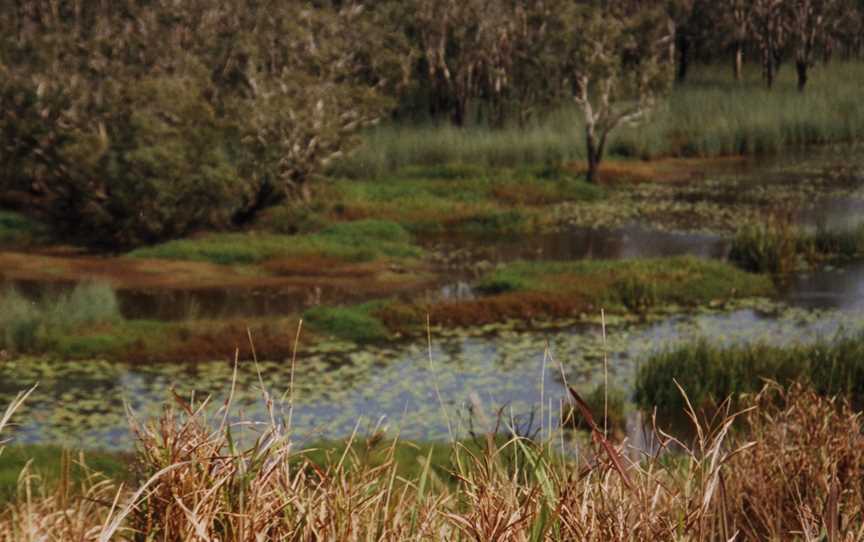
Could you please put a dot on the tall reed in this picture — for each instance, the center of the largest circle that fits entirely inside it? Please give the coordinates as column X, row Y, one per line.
column 791, row 470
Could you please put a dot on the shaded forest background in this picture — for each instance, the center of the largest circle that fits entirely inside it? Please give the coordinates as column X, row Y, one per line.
column 129, row 122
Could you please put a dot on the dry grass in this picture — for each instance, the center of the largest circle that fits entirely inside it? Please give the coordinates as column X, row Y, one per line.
column 787, row 468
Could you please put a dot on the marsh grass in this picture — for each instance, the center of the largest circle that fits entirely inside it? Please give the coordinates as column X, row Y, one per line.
column 779, row 247
column 789, row 467
column 546, row 290
column 30, row 324
column 709, row 115
column 635, row 284
column 711, row 372
column 357, row 323
column 458, row 197
column 362, row 240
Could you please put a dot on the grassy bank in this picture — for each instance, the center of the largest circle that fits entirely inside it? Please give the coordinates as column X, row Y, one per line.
column 709, row 115
column 85, row 323
column 710, row 373
column 528, row 291
column 361, row 240
column 793, row 468
column 459, row 198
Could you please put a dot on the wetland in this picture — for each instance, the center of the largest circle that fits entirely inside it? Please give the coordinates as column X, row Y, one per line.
column 511, row 313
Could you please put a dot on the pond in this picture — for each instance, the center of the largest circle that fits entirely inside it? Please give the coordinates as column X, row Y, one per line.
column 426, row 390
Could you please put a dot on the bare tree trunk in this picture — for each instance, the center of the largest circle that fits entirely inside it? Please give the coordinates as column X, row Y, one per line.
column 739, row 60
column 595, row 151
column 801, row 67
column 683, row 56
column 457, row 115
column 768, row 67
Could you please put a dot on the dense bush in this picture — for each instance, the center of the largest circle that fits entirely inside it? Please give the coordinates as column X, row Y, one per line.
column 130, row 122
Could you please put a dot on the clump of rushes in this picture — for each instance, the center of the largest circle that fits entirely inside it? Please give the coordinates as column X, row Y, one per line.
column 792, row 470
column 766, row 248
column 710, row 373
column 779, row 247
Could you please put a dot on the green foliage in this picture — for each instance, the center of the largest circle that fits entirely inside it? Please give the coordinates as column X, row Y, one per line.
column 710, row 373
column 355, row 323
column 36, row 324
column 148, row 131
column 18, row 229
column 362, row 240
column 292, row 219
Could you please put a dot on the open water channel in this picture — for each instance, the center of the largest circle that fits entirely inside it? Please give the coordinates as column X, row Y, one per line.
column 423, row 390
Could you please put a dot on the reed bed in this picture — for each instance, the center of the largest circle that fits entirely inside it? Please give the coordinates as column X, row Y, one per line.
column 788, row 467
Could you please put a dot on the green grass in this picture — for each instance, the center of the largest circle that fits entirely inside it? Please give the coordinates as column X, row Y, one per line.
column 410, row 457
column 29, row 325
column 459, row 197
column 362, row 240
column 631, row 284
column 709, row 115
column 50, row 462
column 356, row 323
column 710, row 373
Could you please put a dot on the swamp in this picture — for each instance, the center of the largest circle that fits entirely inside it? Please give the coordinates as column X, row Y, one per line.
column 298, row 275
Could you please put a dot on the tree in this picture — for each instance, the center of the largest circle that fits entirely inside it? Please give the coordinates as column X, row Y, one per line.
column 134, row 121
column 620, row 66
column 810, row 23
column 769, row 29
column 736, row 16
column 468, row 48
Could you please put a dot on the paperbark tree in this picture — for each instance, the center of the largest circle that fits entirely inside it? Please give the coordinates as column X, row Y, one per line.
column 620, row 66
column 769, row 29
column 810, row 23
column 133, row 121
